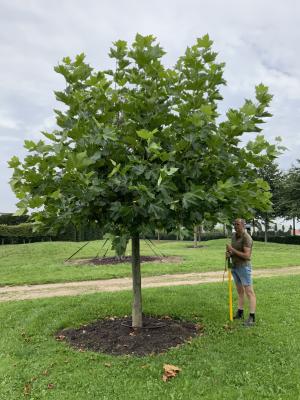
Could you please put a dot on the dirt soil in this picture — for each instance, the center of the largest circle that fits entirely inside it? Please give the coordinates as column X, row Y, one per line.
column 126, row 259
column 116, row 336
column 25, row 292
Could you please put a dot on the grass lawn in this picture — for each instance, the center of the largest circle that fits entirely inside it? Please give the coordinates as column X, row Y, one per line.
column 44, row 262
column 262, row 362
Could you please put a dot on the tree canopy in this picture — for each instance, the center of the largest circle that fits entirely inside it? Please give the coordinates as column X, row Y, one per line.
column 143, row 146
column 290, row 200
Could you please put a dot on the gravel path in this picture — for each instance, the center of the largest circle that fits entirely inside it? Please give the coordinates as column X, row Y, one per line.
column 10, row 293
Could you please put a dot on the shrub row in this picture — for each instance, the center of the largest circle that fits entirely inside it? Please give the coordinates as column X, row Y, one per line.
column 10, row 219
column 24, row 233
column 204, row 236
column 279, row 239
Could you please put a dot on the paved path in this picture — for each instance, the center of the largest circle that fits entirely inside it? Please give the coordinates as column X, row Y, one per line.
column 8, row 293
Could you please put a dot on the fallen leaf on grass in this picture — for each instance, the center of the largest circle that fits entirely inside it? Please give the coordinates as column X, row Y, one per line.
column 25, row 336
column 228, row 327
column 45, row 373
column 50, row 386
column 199, row 327
column 170, row 371
column 108, row 365
column 27, row 389
column 60, row 337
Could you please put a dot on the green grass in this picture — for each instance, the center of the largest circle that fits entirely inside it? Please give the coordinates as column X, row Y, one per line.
column 44, row 262
column 262, row 362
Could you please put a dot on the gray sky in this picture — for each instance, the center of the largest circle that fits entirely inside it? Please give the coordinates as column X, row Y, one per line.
column 258, row 40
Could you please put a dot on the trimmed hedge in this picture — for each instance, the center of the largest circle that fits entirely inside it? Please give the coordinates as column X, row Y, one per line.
column 10, row 219
column 279, row 239
column 23, row 233
column 204, row 237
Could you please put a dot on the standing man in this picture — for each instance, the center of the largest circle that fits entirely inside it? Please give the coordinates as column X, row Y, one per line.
column 240, row 252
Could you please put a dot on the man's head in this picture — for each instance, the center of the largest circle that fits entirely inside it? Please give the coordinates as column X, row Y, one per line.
column 239, row 225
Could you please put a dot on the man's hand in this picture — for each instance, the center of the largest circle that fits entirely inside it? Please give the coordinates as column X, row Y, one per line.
column 228, row 253
column 229, row 248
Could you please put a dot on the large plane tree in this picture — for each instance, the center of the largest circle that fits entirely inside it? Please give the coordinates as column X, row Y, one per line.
column 143, row 147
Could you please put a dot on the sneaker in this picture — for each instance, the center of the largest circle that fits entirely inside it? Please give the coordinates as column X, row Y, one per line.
column 238, row 315
column 249, row 322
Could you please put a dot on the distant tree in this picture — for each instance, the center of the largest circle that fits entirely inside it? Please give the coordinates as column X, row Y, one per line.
column 141, row 147
column 271, row 173
column 290, row 201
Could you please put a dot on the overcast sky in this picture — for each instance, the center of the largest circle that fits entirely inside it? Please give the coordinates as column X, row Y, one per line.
column 258, row 40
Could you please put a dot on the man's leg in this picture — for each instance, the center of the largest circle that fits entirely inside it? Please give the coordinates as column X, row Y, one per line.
column 251, row 297
column 240, row 312
column 241, row 296
column 252, row 305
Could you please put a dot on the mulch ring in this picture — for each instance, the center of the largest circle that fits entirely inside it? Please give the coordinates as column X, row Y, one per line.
column 127, row 259
column 115, row 336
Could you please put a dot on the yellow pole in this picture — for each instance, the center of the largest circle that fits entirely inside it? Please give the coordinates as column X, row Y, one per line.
column 230, row 295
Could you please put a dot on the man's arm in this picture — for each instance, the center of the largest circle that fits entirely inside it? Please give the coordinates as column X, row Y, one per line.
column 245, row 254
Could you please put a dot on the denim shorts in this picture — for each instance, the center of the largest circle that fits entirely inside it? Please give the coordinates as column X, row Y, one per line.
column 242, row 275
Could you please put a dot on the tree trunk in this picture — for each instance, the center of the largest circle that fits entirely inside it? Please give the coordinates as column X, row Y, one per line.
column 253, row 224
column 266, row 229
column 137, row 321
column 200, row 232
column 224, row 230
column 195, row 235
column 294, row 227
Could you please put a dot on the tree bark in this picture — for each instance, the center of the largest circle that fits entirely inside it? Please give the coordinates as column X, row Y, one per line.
column 195, row 235
column 294, row 227
column 266, row 229
column 224, row 230
column 137, row 320
column 200, row 232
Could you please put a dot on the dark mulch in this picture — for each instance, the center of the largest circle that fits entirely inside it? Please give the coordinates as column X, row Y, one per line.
column 115, row 335
column 127, row 259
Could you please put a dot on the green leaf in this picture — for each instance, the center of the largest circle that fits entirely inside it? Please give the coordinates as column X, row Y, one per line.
column 206, row 109
column 204, row 42
column 154, row 147
column 171, row 171
column 109, row 134
column 30, row 145
column 144, row 134
column 159, row 180
column 21, row 211
column 14, row 162
column 50, row 136
column 262, row 94
column 249, row 108
column 156, row 210
column 114, row 171
column 55, row 195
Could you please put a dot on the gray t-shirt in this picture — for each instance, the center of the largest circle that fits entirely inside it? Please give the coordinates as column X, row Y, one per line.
column 238, row 243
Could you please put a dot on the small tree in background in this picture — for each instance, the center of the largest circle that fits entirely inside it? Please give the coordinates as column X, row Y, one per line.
column 290, row 200
column 140, row 148
column 271, row 173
